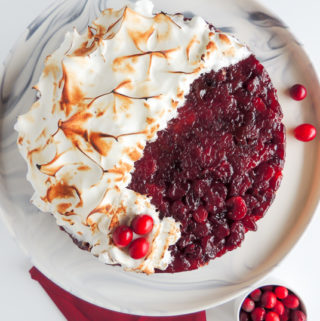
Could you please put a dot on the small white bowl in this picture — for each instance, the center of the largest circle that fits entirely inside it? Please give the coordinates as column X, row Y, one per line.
column 268, row 281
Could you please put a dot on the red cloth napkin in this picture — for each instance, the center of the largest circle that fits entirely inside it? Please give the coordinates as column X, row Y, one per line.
column 75, row 309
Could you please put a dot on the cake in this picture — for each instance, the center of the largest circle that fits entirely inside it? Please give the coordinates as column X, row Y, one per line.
column 156, row 141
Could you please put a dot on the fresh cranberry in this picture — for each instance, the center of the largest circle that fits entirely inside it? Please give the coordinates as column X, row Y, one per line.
column 122, row 236
column 278, row 308
column 267, row 288
column 238, row 208
column 258, row 314
column 298, row 315
column 248, row 305
column 142, row 224
column 272, row 316
column 244, row 316
column 256, row 295
column 291, row 301
column 281, row 292
column 285, row 316
column 305, row 132
column 139, row 248
column 200, row 215
column 298, row 92
column 268, row 299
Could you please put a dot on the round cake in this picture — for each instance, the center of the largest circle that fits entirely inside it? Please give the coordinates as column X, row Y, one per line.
column 156, row 141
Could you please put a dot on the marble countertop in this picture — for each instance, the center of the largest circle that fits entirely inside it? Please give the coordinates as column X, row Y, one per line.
column 23, row 299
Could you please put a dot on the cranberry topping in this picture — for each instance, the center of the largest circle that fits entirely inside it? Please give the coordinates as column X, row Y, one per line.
column 200, row 215
column 238, row 208
column 122, row 236
column 142, row 224
column 305, row 132
column 298, row 92
column 139, row 248
column 217, row 165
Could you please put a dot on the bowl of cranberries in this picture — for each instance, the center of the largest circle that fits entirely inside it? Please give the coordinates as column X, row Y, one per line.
column 272, row 301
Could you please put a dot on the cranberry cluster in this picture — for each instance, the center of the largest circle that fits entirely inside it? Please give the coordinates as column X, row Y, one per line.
column 304, row 132
column 272, row 303
column 217, row 165
column 122, row 236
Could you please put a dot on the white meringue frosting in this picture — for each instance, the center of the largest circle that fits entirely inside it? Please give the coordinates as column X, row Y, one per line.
column 104, row 95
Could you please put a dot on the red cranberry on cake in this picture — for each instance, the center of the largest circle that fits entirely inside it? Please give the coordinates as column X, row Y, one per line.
column 156, row 142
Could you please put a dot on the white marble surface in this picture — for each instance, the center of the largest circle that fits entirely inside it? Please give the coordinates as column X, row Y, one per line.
column 23, row 299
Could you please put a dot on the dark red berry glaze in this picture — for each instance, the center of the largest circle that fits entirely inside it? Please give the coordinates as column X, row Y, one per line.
column 200, row 215
column 223, row 153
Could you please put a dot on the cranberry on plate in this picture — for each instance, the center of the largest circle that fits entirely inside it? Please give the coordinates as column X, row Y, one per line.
column 298, row 92
column 305, row 132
